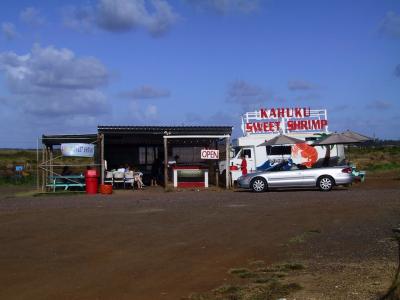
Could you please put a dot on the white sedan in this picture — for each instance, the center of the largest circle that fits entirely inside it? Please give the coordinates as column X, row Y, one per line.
column 285, row 176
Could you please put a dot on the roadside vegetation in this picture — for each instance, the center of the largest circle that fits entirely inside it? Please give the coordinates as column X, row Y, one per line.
column 376, row 159
column 27, row 158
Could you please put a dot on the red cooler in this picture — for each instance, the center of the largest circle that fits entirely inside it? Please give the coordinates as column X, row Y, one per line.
column 92, row 181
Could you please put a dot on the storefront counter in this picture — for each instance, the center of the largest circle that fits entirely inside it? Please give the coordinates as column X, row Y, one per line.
column 190, row 176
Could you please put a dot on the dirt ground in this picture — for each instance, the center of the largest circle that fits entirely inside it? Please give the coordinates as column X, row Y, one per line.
column 155, row 245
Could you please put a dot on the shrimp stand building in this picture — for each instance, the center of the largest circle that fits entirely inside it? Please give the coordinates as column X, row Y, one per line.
column 262, row 125
column 186, row 155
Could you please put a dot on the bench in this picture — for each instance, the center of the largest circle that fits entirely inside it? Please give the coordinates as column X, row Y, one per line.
column 66, row 182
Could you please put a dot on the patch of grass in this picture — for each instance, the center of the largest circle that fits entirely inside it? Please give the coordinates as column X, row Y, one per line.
column 381, row 167
column 226, row 289
column 301, row 238
column 26, row 194
column 293, row 266
column 196, row 296
column 287, row 267
column 238, row 270
column 257, row 263
column 263, row 279
column 59, row 193
column 19, row 181
column 258, row 282
column 243, row 273
column 260, row 291
column 298, row 239
column 375, row 159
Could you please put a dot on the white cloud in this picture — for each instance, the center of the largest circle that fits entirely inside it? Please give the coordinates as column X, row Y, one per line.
column 31, row 16
column 390, row 25
column 140, row 114
column 151, row 112
column 155, row 16
column 54, row 82
column 397, row 71
column 146, row 92
column 227, row 6
column 297, row 85
column 8, row 30
column 380, row 104
column 80, row 18
column 121, row 15
column 248, row 95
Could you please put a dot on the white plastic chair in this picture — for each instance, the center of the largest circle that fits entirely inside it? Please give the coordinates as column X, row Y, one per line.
column 119, row 177
column 109, row 178
column 129, row 179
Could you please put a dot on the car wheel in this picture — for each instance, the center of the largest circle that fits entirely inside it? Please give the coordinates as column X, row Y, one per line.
column 325, row 183
column 258, row 185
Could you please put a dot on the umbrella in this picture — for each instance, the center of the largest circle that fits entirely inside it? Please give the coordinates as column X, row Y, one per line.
column 337, row 138
column 357, row 136
column 282, row 140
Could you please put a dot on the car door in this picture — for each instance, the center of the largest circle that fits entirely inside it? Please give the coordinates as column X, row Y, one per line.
column 283, row 177
column 310, row 176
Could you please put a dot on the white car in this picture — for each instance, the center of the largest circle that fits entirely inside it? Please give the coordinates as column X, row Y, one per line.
column 286, row 175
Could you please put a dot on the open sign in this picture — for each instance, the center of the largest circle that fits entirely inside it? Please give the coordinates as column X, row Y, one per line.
column 209, row 154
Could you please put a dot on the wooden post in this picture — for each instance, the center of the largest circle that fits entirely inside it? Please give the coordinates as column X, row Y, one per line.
column 227, row 171
column 101, row 137
column 165, row 163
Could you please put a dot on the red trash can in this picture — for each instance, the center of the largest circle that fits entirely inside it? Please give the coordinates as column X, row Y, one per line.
column 92, row 181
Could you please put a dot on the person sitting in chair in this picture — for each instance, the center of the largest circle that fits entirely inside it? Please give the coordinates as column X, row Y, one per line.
column 137, row 176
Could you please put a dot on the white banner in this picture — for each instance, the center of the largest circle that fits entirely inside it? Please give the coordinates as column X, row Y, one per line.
column 209, row 154
column 77, row 149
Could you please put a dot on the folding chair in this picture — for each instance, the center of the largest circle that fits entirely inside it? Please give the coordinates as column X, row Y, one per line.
column 109, row 178
column 129, row 179
column 119, row 177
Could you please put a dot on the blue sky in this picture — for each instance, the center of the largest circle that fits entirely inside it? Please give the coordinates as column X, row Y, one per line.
column 68, row 66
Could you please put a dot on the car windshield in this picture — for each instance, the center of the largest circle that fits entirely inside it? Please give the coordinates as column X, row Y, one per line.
column 283, row 166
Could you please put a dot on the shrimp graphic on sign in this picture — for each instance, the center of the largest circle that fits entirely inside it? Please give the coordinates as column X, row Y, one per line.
column 305, row 154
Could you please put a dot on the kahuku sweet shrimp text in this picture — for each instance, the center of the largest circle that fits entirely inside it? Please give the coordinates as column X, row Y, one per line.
column 295, row 119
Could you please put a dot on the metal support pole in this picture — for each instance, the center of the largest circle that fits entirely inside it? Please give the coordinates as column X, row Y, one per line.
column 102, row 157
column 165, row 163
column 47, row 171
column 42, row 168
column 51, row 161
column 227, row 171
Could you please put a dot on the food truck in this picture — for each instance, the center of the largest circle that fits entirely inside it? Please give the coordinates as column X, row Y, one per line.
column 263, row 125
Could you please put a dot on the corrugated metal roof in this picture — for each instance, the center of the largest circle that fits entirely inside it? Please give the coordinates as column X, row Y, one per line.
column 162, row 130
column 68, row 138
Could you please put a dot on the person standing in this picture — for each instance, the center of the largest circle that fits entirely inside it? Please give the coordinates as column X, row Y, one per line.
column 155, row 170
column 243, row 166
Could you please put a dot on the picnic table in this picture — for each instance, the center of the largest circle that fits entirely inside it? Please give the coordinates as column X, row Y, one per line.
column 66, row 181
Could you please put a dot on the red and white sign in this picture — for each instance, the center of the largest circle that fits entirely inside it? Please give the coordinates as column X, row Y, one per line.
column 209, row 154
column 285, row 120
